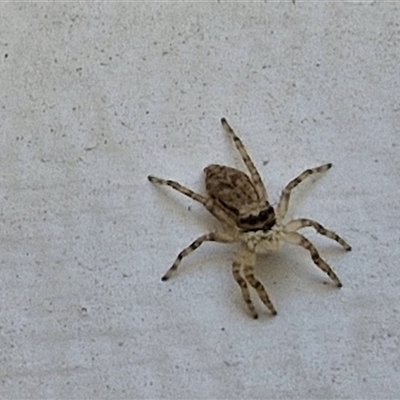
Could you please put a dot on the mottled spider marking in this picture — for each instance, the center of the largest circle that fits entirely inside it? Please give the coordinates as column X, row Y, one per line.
column 240, row 203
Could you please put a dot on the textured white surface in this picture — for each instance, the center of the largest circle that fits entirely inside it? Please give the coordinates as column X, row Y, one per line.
column 94, row 97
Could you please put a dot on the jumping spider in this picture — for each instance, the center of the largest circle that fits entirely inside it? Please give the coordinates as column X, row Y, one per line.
column 240, row 202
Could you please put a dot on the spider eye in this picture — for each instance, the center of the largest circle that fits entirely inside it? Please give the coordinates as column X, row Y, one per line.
column 265, row 219
column 265, row 214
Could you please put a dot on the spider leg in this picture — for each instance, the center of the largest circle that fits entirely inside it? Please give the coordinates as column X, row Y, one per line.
column 208, row 237
column 285, row 196
column 300, row 240
column 207, row 202
column 236, row 266
column 177, row 186
column 297, row 224
column 255, row 176
column 248, row 259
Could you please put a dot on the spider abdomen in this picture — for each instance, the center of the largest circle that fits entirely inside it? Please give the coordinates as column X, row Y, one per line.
column 233, row 191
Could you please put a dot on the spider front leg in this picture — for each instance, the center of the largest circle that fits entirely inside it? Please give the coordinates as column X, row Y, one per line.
column 246, row 260
column 177, row 186
column 209, row 237
column 255, row 176
column 285, row 196
column 297, row 224
column 207, row 202
column 300, row 240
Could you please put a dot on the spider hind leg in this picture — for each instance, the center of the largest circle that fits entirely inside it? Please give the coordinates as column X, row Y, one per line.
column 300, row 240
column 236, row 266
column 297, row 224
column 246, row 261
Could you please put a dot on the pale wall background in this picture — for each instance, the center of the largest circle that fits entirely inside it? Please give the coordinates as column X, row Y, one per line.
column 96, row 96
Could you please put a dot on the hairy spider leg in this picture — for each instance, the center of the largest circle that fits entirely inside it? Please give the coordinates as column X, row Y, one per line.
column 300, row 240
column 246, row 261
column 297, row 224
column 283, row 204
column 208, row 237
column 255, row 176
column 207, row 202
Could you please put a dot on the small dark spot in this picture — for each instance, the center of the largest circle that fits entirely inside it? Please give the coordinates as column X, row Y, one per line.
column 6, row 55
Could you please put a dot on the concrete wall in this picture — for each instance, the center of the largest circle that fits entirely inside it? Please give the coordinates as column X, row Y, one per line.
column 96, row 96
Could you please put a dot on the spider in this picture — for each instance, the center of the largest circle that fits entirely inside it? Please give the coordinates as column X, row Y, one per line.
column 241, row 203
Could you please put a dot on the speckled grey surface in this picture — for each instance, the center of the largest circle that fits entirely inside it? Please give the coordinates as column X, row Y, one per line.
column 94, row 97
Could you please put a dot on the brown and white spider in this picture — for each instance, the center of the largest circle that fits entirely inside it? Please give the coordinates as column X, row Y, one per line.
column 240, row 202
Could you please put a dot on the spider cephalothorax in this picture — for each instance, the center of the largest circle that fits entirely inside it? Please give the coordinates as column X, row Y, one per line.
column 240, row 202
